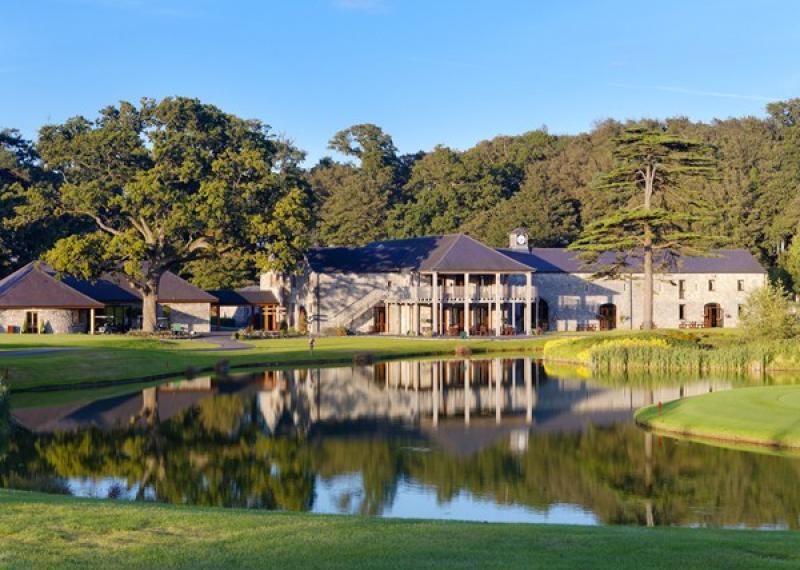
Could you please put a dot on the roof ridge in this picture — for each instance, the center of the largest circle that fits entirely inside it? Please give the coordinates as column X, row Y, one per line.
column 448, row 249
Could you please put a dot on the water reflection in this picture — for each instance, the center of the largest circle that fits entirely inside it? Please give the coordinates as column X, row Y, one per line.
column 500, row 439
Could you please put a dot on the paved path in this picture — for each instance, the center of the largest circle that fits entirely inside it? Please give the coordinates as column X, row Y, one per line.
column 32, row 351
column 224, row 341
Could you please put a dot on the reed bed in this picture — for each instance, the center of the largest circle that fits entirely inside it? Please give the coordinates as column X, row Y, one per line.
column 671, row 352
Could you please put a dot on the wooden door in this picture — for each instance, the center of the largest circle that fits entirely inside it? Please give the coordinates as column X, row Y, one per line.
column 607, row 317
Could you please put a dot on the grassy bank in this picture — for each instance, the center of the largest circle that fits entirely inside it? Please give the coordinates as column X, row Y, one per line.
column 96, row 360
column 759, row 416
column 49, row 531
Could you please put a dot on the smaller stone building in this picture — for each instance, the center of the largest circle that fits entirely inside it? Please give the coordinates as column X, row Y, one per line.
column 34, row 299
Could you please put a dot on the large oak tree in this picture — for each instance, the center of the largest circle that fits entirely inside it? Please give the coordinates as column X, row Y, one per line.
column 171, row 182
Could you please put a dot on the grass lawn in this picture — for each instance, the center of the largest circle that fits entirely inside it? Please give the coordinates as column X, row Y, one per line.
column 110, row 358
column 767, row 415
column 51, row 531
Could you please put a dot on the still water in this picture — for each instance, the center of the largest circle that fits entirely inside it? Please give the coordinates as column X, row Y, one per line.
column 491, row 440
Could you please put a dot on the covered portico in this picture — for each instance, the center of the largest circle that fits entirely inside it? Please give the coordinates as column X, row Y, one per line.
column 469, row 288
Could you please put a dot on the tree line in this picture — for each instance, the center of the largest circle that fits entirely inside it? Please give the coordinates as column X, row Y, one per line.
column 181, row 185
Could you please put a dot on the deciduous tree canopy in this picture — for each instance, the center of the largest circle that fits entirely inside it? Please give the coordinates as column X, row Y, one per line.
column 169, row 183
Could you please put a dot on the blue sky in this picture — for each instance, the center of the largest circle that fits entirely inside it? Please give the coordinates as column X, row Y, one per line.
column 428, row 72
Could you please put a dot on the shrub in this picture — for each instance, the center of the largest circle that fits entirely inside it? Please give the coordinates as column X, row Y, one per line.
column 766, row 314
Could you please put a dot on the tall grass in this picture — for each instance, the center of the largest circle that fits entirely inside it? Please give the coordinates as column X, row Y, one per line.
column 664, row 352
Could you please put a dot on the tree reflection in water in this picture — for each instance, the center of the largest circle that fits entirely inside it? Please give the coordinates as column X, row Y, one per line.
column 269, row 441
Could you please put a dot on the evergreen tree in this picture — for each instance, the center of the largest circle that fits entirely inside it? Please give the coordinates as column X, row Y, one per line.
column 654, row 223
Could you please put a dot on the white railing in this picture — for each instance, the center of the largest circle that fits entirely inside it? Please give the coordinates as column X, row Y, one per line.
column 452, row 294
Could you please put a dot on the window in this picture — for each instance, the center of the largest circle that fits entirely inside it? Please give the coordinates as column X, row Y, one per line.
column 741, row 311
column 712, row 285
column 31, row 322
column 681, row 289
column 682, row 312
column 740, row 285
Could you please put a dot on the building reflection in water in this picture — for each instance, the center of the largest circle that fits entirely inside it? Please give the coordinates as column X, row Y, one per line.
column 493, row 433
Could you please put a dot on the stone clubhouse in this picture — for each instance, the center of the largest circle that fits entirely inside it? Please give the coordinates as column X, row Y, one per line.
column 454, row 284
column 438, row 285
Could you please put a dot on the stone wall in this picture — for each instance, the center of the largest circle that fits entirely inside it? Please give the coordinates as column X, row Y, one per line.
column 51, row 321
column 340, row 297
column 196, row 316
column 574, row 299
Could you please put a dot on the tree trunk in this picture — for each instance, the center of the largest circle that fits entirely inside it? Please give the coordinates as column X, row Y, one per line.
column 647, row 301
column 150, row 305
column 647, row 261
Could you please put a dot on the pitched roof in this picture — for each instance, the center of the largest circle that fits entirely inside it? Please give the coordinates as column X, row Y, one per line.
column 467, row 254
column 32, row 286
column 448, row 253
column 560, row 260
column 36, row 285
column 244, row 296
column 113, row 288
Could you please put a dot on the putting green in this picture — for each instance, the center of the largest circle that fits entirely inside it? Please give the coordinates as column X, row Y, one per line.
column 765, row 415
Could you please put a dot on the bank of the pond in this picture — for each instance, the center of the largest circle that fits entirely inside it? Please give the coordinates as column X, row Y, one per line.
column 674, row 351
column 98, row 363
column 49, row 531
column 764, row 415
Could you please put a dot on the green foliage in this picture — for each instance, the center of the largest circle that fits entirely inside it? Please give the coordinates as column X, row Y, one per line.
column 173, row 182
column 28, row 226
column 788, row 269
column 766, row 314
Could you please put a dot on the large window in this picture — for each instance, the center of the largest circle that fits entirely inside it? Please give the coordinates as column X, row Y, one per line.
column 681, row 312
column 740, row 285
column 681, row 289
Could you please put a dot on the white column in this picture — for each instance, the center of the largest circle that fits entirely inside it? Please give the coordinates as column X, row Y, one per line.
column 466, row 303
column 498, row 321
column 435, row 304
column 91, row 321
column 528, row 307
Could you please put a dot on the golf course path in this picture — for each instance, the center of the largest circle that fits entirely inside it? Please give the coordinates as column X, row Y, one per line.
column 224, row 341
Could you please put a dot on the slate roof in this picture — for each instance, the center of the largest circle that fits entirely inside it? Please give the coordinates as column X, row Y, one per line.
column 32, row 286
column 448, row 253
column 36, row 285
column 560, row 260
column 244, row 296
column 113, row 288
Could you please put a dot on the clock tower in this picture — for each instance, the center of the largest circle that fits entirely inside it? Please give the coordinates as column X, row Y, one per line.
column 518, row 239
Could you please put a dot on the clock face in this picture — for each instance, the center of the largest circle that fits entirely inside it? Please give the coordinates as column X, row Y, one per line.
column 521, row 239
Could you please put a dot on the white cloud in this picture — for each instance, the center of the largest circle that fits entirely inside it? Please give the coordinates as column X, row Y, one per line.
column 698, row 92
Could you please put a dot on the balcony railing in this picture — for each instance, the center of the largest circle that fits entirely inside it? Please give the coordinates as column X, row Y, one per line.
column 459, row 293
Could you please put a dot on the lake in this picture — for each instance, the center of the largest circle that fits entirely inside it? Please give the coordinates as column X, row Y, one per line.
column 505, row 440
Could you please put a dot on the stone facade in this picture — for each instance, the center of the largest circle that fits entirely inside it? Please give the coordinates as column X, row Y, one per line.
column 347, row 299
column 575, row 299
column 196, row 316
column 51, row 321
